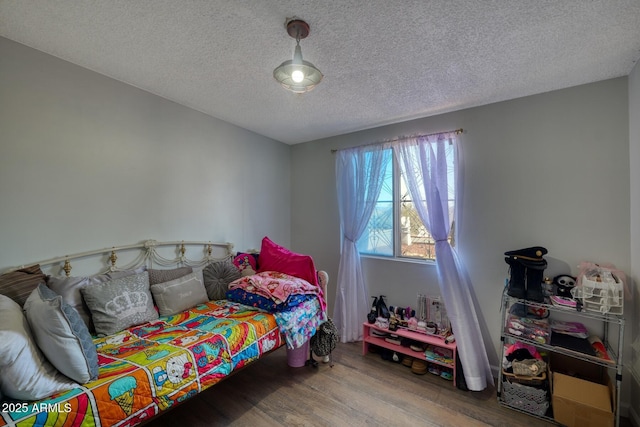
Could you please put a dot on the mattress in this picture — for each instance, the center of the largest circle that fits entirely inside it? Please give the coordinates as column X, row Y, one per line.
column 149, row 368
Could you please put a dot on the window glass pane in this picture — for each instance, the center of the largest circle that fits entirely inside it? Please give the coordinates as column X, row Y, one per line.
column 377, row 238
column 414, row 241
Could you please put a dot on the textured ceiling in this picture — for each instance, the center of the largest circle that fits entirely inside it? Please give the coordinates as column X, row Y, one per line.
column 384, row 61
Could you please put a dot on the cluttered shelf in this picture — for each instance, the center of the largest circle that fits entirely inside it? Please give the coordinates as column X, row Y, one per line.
column 569, row 338
column 571, row 353
column 432, row 348
column 574, row 310
column 611, row 362
column 554, row 366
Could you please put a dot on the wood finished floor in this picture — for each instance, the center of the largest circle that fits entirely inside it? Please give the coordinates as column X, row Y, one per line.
column 357, row 391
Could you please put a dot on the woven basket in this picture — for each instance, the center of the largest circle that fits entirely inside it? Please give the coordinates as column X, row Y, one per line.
column 419, row 367
column 525, row 380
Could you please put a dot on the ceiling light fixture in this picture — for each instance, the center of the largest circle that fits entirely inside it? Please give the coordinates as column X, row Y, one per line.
column 297, row 75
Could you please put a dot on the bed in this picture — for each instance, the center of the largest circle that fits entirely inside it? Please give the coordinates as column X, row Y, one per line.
column 147, row 368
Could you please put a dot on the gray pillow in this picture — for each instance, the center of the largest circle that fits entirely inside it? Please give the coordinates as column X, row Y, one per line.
column 217, row 277
column 120, row 303
column 177, row 295
column 117, row 274
column 161, row 276
column 69, row 289
column 61, row 335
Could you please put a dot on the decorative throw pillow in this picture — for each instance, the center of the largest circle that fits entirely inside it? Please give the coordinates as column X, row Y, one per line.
column 18, row 284
column 120, row 303
column 274, row 257
column 217, row 277
column 161, row 276
column 69, row 289
column 118, row 274
column 179, row 294
column 26, row 373
column 61, row 335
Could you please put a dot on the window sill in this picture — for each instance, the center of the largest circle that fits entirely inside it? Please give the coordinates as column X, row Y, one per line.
column 429, row 262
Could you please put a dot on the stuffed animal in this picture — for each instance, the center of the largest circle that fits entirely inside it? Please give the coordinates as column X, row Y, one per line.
column 564, row 283
column 246, row 263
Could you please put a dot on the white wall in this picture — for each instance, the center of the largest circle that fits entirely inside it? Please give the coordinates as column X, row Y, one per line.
column 634, row 160
column 88, row 162
column 550, row 169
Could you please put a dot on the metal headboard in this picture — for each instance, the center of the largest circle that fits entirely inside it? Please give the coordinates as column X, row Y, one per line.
column 149, row 254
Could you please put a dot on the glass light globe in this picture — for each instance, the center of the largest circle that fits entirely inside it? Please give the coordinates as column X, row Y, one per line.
column 297, row 76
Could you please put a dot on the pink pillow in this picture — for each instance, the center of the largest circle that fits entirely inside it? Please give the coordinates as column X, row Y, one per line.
column 274, row 257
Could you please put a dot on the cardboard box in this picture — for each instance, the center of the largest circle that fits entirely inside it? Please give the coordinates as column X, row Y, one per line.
column 577, row 368
column 581, row 403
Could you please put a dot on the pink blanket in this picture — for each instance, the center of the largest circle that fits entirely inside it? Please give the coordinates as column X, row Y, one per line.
column 274, row 285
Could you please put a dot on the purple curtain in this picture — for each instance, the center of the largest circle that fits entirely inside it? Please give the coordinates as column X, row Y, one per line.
column 359, row 177
column 424, row 165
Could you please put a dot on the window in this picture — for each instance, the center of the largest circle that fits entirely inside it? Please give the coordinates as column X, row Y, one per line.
column 395, row 229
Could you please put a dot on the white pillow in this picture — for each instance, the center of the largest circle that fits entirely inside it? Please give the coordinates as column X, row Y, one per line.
column 26, row 374
column 61, row 335
column 179, row 294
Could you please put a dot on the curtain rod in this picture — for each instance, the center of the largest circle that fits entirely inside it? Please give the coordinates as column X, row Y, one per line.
column 386, row 141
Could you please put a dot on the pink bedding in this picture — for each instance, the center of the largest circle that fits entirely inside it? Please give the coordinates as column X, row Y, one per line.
column 274, row 285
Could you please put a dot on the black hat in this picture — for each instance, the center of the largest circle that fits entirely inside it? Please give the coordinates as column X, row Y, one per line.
column 532, row 253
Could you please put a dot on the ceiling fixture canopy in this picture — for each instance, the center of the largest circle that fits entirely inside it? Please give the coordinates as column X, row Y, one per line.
column 297, row 75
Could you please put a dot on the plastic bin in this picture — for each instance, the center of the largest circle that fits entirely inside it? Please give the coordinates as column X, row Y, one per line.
column 528, row 399
column 297, row 357
column 602, row 297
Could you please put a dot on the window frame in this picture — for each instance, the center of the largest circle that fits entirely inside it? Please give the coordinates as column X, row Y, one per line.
column 396, row 176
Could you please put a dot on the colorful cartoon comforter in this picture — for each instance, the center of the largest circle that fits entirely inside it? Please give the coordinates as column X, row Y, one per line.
column 147, row 369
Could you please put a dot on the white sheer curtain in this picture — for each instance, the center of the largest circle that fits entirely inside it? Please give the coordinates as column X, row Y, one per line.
column 424, row 166
column 359, row 173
